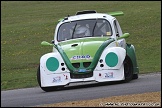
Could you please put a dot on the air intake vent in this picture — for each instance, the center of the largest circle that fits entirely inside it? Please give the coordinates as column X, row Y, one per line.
column 85, row 12
column 76, row 65
column 86, row 64
column 78, row 76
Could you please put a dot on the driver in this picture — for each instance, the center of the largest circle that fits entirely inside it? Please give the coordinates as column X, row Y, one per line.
column 82, row 31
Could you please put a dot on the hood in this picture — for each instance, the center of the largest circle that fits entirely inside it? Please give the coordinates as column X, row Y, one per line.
column 82, row 49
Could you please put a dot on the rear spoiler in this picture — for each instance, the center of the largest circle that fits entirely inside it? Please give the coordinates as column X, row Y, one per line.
column 117, row 13
column 60, row 19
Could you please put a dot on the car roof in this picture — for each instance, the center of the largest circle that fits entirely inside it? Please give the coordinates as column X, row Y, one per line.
column 88, row 16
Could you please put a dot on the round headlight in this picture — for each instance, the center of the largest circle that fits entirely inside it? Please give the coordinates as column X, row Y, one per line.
column 52, row 64
column 111, row 59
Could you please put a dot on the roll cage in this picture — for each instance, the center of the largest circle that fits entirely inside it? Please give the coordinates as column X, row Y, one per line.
column 97, row 28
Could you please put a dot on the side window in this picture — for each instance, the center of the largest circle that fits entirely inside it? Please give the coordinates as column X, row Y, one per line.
column 65, row 31
column 116, row 29
column 102, row 28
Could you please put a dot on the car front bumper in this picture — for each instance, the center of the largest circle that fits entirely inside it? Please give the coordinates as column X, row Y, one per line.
column 63, row 79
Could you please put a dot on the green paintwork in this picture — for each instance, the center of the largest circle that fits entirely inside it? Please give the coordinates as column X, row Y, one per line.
column 82, row 47
column 52, row 64
column 65, row 58
column 94, row 60
column 117, row 13
column 111, row 59
column 131, row 53
column 60, row 19
column 125, row 35
column 99, row 52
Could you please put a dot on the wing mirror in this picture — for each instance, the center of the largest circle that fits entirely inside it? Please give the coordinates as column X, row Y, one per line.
column 44, row 43
column 125, row 35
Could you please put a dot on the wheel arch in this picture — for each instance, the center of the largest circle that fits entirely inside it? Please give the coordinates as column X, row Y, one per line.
column 130, row 53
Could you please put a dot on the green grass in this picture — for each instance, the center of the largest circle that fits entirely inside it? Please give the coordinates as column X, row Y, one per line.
column 25, row 24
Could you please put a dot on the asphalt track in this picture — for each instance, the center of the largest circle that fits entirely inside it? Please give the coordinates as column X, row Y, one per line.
column 35, row 96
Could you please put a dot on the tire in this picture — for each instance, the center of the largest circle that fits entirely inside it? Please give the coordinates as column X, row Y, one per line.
column 135, row 76
column 46, row 89
column 128, row 69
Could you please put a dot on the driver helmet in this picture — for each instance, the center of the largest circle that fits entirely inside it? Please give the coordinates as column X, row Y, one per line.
column 82, row 31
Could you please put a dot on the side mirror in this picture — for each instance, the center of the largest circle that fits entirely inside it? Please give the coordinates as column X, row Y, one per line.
column 44, row 43
column 125, row 35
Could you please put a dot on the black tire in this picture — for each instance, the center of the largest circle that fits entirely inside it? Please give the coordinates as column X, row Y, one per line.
column 128, row 69
column 46, row 89
column 135, row 76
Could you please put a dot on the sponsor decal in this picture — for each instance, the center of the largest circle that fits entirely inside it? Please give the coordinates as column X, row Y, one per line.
column 66, row 77
column 108, row 75
column 79, row 57
column 56, row 79
column 108, row 33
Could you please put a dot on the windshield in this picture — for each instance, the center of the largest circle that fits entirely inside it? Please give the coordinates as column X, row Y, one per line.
column 84, row 28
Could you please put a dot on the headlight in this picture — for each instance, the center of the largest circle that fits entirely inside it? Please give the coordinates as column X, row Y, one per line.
column 52, row 64
column 111, row 59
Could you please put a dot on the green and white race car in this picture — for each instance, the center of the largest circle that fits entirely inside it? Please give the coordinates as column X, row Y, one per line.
column 88, row 46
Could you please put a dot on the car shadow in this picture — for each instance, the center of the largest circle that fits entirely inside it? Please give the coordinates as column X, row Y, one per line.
column 92, row 85
column 85, row 85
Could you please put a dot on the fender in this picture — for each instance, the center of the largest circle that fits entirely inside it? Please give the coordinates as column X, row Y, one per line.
column 52, row 66
column 130, row 50
column 112, row 58
column 52, row 63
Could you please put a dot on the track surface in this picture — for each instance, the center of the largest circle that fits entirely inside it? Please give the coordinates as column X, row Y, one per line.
column 35, row 96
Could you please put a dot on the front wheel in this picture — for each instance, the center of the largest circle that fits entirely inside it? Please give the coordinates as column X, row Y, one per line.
column 128, row 70
column 135, row 76
column 46, row 89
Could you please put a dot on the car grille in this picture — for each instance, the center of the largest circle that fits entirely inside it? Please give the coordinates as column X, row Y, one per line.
column 85, row 64
column 83, row 75
column 76, row 65
column 78, row 76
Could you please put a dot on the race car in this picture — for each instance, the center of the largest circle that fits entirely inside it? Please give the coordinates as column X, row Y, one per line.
column 87, row 46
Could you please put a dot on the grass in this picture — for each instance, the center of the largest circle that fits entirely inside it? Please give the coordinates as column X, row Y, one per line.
column 25, row 24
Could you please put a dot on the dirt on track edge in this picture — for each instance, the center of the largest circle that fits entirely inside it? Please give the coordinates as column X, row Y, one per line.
column 150, row 99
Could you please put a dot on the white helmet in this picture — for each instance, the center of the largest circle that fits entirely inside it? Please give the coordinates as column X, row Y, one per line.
column 82, row 31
